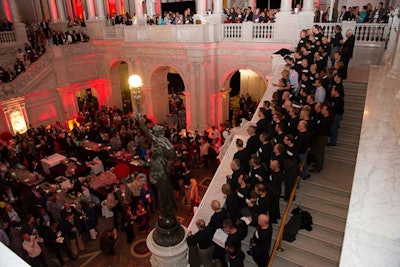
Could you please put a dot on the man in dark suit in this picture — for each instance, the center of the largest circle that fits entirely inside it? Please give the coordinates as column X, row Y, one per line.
column 378, row 15
column 344, row 14
column 347, row 51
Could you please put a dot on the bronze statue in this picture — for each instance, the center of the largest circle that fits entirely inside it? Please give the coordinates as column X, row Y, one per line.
column 168, row 231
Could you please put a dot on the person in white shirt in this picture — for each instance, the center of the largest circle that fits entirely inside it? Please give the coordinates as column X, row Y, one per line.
column 320, row 93
column 30, row 244
column 293, row 78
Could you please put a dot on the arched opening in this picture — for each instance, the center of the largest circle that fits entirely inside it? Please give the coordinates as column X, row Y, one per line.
column 87, row 100
column 247, row 89
column 119, row 82
column 167, row 83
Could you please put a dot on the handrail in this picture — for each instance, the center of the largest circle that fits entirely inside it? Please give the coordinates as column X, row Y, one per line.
column 277, row 244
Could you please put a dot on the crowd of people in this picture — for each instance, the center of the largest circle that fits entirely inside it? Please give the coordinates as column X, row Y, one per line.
column 31, row 215
column 6, row 26
column 39, row 38
column 364, row 14
column 291, row 134
column 240, row 15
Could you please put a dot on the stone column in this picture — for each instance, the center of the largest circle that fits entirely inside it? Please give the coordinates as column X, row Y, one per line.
column 53, row 10
column 15, row 16
column 209, row 5
column 100, row 9
column 394, row 72
column 138, row 8
column 218, row 7
column 201, row 7
column 188, row 108
column 202, row 96
column 118, row 7
column 308, row 5
column 70, row 11
column 91, row 14
column 286, row 6
column 150, row 7
column 61, row 11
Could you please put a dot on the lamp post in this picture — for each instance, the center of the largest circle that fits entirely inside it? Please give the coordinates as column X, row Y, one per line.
column 135, row 85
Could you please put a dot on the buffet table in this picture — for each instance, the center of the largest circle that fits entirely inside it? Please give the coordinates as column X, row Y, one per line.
column 52, row 161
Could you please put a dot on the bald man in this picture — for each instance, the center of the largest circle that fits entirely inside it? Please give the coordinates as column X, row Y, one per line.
column 203, row 238
column 220, row 214
column 261, row 241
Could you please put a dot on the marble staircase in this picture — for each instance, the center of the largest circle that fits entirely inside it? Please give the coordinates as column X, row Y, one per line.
column 349, row 133
column 321, row 246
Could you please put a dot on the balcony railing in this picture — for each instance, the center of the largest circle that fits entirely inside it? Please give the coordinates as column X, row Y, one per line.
column 7, row 37
column 367, row 33
column 248, row 32
column 363, row 32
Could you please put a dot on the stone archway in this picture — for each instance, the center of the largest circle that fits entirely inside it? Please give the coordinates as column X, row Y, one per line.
column 119, row 74
column 243, row 81
column 162, row 87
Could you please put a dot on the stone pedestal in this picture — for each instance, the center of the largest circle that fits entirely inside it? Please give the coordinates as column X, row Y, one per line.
column 168, row 256
column 20, row 32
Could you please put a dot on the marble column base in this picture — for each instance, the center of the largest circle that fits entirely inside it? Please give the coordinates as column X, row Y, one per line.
column 168, row 256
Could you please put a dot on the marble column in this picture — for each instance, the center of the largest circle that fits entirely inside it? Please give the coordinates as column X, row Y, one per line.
column 202, row 98
column 286, row 6
column 218, row 7
column 100, row 9
column 308, row 5
column 118, row 7
column 201, row 7
column 394, row 72
column 188, row 108
column 209, row 5
column 91, row 14
column 53, row 10
column 150, row 8
column 15, row 15
column 61, row 11
column 70, row 10
column 388, row 55
column 138, row 8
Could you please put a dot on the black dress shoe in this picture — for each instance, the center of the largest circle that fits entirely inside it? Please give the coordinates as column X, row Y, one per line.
column 306, row 177
column 315, row 171
column 330, row 144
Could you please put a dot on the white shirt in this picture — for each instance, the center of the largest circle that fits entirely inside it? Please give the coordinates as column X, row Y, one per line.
column 294, row 80
column 320, row 94
column 32, row 246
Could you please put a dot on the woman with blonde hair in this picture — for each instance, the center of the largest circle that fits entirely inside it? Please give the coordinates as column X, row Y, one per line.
column 194, row 193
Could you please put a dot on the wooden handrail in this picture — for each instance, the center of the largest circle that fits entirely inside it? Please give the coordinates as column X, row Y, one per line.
column 277, row 244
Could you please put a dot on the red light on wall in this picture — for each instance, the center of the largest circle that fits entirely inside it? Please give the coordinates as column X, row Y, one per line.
column 79, row 8
column 112, row 6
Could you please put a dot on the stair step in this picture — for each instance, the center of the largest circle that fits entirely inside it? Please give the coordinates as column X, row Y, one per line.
column 324, row 195
column 309, row 204
column 310, row 254
column 344, row 148
column 349, row 139
column 343, row 158
column 325, row 188
column 354, row 99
